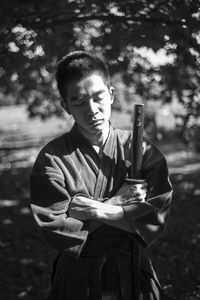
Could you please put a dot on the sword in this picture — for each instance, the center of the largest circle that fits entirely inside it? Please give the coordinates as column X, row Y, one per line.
column 135, row 177
column 136, row 147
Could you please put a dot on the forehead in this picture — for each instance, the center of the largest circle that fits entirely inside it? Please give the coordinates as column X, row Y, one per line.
column 90, row 84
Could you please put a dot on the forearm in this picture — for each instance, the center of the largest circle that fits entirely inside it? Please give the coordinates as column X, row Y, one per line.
column 83, row 208
column 114, row 216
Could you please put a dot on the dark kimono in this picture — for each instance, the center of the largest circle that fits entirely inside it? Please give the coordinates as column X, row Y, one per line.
column 96, row 261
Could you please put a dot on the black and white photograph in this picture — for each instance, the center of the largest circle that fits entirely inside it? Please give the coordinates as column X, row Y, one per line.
column 99, row 150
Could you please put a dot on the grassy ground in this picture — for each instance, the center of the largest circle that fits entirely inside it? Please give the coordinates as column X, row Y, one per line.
column 26, row 261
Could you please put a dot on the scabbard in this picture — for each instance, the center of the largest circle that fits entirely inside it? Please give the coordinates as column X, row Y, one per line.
column 136, row 166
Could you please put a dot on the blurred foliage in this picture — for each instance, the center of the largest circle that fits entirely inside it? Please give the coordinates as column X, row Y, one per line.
column 35, row 34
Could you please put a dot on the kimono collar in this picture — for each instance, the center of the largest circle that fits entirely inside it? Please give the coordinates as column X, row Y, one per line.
column 79, row 138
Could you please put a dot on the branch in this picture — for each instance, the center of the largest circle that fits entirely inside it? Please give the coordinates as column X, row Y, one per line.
column 5, row 41
column 63, row 20
column 190, row 41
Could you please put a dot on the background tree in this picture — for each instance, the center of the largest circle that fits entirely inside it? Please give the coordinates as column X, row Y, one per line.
column 35, row 34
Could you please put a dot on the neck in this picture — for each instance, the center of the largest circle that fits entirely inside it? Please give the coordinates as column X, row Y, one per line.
column 98, row 139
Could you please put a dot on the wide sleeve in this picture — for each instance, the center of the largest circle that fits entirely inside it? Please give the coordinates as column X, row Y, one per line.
column 149, row 218
column 49, row 203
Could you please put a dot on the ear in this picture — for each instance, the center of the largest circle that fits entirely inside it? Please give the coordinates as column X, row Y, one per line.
column 65, row 106
column 112, row 90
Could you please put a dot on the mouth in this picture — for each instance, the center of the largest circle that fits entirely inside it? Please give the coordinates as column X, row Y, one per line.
column 95, row 122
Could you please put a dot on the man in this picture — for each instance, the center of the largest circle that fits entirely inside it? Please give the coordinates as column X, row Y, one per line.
column 81, row 201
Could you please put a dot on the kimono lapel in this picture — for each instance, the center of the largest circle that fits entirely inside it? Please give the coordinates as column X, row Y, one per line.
column 86, row 150
column 107, row 164
column 103, row 170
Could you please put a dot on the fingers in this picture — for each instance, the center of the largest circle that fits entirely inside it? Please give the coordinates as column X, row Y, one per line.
column 54, row 217
column 140, row 198
column 81, row 201
column 136, row 191
column 141, row 186
column 139, row 194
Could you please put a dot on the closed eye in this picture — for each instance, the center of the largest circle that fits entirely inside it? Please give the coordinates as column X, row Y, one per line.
column 78, row 101
column 99, row 96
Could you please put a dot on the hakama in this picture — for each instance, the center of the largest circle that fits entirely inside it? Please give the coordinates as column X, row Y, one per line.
column 95, row 260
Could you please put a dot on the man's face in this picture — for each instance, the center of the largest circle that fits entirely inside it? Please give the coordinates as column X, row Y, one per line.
column 89, row 101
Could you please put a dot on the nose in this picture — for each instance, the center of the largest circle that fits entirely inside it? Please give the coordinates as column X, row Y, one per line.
column 92, row 107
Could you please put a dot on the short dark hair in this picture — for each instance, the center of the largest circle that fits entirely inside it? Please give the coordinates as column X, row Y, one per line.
column 77, row 65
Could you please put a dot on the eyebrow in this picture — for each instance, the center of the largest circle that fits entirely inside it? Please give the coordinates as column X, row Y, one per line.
column 99, row 92
column 75, row 98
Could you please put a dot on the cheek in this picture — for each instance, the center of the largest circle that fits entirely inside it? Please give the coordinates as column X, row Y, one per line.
column 107, row 111
column 107, row 105
column 76, row 112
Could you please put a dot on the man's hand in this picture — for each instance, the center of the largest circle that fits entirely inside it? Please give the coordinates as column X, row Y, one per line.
column 135, row 191
column 129, row 193
column 84, row 208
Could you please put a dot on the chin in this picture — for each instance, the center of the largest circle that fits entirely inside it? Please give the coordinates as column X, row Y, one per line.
column 97, row 127
column 96, row 131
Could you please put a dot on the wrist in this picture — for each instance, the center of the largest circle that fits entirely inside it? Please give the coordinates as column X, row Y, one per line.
column 98, row 212
column 109, row 212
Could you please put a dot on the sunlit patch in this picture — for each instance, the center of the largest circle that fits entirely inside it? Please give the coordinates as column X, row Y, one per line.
column 152, row 228
column 166, row 287
column 196, row 193
column 7, row 222
column 8, row 203
column 5, row 166
column 187, row 185
column 3, row 244
column 187, row 169
column 22, row 294
column 179, row 177
column 26, row 261
column 25, row 292
column 25, row 211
